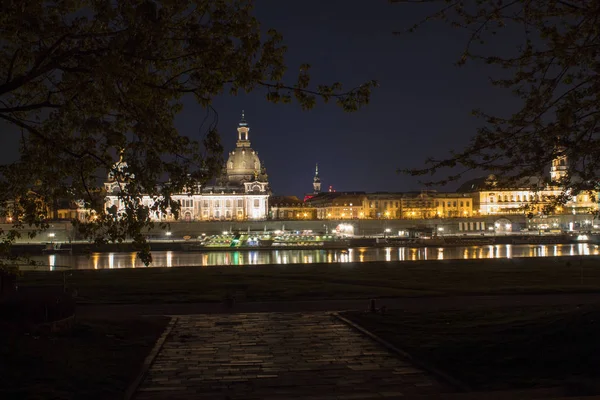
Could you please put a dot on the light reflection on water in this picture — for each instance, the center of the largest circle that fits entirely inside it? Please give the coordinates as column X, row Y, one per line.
column 362, row 254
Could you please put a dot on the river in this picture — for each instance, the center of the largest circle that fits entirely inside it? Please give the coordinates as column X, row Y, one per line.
column 288, row 256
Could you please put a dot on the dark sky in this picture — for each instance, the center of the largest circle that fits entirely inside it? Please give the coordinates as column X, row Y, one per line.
column 421, row 109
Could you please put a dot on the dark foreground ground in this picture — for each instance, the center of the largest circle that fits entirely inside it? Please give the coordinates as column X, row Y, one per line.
column 327, row 281
column 97, row 360
column 494, row 324
column 500, row 348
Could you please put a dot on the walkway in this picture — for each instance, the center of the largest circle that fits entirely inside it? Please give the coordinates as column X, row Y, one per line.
column 277, row 356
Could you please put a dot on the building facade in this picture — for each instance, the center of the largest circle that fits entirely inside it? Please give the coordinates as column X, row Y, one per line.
column 240, row 193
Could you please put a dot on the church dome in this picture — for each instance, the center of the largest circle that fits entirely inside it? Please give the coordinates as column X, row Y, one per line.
column 243, row 164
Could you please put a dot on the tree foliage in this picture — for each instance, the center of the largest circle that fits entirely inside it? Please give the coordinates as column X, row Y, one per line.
column 87, row 80
column 553, row 70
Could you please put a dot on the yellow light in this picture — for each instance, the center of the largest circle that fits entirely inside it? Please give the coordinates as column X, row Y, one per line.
column 305, row 214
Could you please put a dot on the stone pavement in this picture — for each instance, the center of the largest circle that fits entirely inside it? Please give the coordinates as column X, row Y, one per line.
column 277, row 356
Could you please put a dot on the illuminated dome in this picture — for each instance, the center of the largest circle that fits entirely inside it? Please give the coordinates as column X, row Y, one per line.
column 243, row 164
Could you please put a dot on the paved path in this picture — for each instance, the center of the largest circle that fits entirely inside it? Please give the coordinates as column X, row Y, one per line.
column 277, row 356
column 409, row 304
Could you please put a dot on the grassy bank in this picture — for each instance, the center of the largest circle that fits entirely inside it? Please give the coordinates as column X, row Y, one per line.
column 500, row 349
column 328, row 281
column 97, row 360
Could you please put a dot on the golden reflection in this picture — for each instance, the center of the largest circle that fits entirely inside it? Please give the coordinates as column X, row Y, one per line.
column 111, row 260
column 425, row 253
column 204, row 260
column 480, row 253
column 169, row 259
column 133, row 256
column 490, row 251
column 509, row 251
column 95, row 258
column 440, row 255
column 388, row 254
column 52, row 261
column 413, row 254
column 466, row 254
column 361, row 257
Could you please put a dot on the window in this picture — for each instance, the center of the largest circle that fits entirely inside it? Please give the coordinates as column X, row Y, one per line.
column 228, row 214
column 385, row 204
column 217, row 214
column 467, row 203
column 228, row 203
column 256, row 203
column 461, row 204
column 205, row 205
column 454, row 204
column 240, row 203
column 216, row 203
column 437, row 203
column 449, row 204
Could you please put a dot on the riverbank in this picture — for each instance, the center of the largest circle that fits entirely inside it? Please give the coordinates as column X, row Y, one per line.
column 326, row 281
column 33, row 249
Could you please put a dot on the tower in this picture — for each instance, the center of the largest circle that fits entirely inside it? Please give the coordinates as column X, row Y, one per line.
column 243, row 133
column 317, row 180
column 558, row 171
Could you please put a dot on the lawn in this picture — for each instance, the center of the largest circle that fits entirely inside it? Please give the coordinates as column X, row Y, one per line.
column 97, row 360
column 327, row 281
column 499, row 349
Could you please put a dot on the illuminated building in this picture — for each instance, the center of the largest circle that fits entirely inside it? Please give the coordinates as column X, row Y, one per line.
column 290, row 208
column 339, row 205
column 453, row 205
column 240, row 193
column 528, row 195
column 384, row 205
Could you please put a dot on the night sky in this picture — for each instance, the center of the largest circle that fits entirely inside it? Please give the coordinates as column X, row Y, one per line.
column 421, row 109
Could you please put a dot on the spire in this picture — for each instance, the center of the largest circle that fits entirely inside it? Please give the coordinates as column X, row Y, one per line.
column 317, row 180
column 243, row 120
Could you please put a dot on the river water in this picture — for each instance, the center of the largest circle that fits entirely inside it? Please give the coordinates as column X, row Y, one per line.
column 288, row 256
